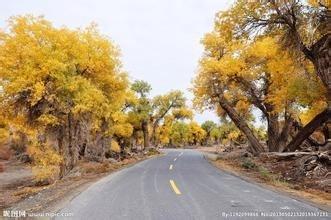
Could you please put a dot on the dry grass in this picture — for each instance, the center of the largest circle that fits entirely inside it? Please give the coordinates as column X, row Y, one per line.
column 27, row 191
column 95, row 167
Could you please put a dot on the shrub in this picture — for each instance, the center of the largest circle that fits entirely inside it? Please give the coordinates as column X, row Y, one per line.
column 95, row 167
column 152, row 151
column 19, row 141
column 115, row 147
column 248, row 164
column 46, row 163
column 264, row 173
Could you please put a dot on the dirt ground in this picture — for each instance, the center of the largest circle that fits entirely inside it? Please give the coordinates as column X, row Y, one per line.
column 210, row 149
column 18, row 191
column 16, row 178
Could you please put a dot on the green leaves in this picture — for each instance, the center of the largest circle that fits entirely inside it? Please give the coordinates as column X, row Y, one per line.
column 162, row 104
column 141, row 87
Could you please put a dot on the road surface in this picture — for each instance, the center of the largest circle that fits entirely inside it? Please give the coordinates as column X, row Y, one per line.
column 179, row 185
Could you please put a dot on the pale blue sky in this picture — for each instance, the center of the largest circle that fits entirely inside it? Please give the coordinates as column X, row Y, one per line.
column 159, row 40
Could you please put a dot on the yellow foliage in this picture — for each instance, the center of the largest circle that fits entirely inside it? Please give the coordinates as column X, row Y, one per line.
column 264, row 48
column 182, row 113
column 67, row 70
column 243, row 106
column 38, row 92
column 195, row 133
column 4, row 135
column 51, row 74
column 307, row 115
column 123, row 130
column 262, row 62
column 115, row 147
column 48, row 119
column 4, row 130
column 121, row 126
column 163, row 131
column 233, row 135
column 162, row 134
column 46, row 162
column 316, row 3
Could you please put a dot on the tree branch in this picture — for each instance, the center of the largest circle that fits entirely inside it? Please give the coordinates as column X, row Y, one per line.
column 307, row 130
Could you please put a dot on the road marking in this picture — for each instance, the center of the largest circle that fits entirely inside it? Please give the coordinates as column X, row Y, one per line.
column 174, row 187
column 235, row 203
column 268, row 200
column 180, row 154
column 285, row 207
column 175, row 159
column 170, row 168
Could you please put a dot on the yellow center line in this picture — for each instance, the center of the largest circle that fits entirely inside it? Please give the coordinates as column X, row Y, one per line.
column 170, row 168
column 174, row 187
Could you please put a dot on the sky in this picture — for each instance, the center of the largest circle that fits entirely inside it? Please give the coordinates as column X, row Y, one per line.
column 159, row 39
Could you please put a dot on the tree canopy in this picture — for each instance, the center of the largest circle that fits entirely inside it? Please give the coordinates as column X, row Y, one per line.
column 247, row 65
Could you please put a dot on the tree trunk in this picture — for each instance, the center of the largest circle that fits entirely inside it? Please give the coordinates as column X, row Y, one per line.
column 73, row 145
column 321, row 54
column 273, row 130
column 104, row 139
column 328, row 123
column 144, row 127
column 67, row 144
column 284, row 135
column 320, row 57
column 307, row 130
column 255, row 145
column 321, row 60
column 154, row 132
column 131, row 140
column 276, row 139
column 70, row 147
column 60, row 137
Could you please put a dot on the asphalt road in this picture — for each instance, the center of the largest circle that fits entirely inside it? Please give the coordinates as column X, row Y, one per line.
column 179, row 185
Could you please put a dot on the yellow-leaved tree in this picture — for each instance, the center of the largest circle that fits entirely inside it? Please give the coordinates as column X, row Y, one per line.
column 300, row 27
column 63, row 88
column 238, row 74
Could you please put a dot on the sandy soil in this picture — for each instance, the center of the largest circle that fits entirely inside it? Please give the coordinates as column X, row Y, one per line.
column 15, row 172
